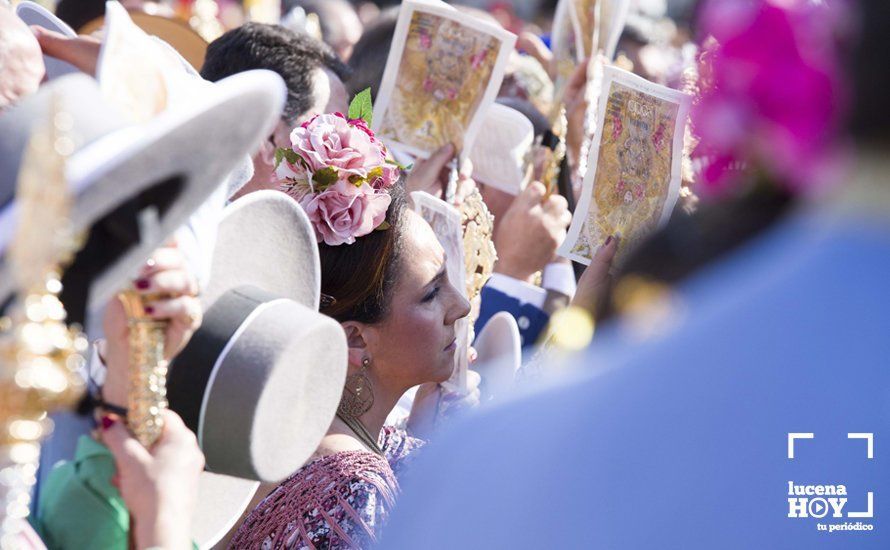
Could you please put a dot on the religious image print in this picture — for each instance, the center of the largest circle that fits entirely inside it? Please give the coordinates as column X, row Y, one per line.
column 633, row 179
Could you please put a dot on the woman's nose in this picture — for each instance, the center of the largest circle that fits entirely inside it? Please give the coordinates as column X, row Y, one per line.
column 459, row 310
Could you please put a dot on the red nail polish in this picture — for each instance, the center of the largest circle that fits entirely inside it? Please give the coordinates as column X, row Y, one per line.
column 107, row 422
column 149, row 310
column 608, row 240
column 142, row 283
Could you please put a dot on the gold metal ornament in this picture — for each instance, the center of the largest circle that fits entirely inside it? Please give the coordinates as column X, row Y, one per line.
column 479, row 252
column 358, row 394
column 553, row 160
column 147, row 390
column 40, row 356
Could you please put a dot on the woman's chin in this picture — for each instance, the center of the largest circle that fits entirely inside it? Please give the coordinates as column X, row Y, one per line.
column 444, row 373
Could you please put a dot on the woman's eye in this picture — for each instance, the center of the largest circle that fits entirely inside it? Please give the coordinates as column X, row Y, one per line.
column 432, row 294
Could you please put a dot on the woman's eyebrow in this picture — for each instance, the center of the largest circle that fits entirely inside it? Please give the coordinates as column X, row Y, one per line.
column 443, row 272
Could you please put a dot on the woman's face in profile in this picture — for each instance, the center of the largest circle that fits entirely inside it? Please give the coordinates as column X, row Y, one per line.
column 416, row 341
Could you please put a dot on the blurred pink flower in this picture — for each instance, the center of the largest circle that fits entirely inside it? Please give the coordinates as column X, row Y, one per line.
column 771, row 95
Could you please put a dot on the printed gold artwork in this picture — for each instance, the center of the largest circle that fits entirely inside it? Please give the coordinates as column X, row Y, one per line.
column 444, row 70
column 633, row 179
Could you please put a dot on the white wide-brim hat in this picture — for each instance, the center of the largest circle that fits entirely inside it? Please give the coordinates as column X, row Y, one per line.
column 33, row 13
column 499, row 355
column 500, row 149
column 260, row 381
column 133, row 185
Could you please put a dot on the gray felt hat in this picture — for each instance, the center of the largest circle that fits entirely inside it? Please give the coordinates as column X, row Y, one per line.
column 133, row 185
column 260, row 381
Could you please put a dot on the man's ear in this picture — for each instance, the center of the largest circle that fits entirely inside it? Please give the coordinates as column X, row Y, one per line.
column 355, row 342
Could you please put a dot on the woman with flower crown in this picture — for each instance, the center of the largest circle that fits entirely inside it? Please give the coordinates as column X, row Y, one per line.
column 384, row 280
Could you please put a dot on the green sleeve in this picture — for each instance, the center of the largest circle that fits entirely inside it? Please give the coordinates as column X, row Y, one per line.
column 78, row 505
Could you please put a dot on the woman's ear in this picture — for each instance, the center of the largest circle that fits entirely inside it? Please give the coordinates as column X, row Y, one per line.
column 355, row 342
column 266, row 154
column 280, row 135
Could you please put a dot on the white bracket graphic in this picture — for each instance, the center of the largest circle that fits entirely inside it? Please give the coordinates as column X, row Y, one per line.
column 869, row 513
column 796, row 435
column 870, row 438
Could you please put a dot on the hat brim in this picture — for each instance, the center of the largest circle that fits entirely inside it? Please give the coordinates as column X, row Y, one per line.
column 187, row 43
column 221, row 502
column 35, row 14
column 257, row 231
column 156, row 175
column 499, row 354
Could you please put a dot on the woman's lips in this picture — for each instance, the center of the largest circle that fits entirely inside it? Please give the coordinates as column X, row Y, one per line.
column 452, row 346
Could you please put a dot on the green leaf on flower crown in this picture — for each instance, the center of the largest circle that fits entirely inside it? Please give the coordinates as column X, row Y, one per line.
column 397, row 165
column 384, row 225
column 288, row 154
column 324, row 178
column 362, row 107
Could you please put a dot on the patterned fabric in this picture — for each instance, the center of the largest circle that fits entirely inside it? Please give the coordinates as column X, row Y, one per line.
column 335, row 502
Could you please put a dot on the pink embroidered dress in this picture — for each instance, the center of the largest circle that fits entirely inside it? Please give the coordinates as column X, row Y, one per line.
column 335, row 502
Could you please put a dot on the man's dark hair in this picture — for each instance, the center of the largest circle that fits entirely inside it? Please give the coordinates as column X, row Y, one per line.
column 369, row 55
column 293, row 56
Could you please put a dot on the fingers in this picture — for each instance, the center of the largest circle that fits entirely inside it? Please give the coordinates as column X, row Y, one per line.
column 597, row 273
column 579, row 78
column 437, row 161
column 185, row 309
column 171, row 283
column 606, row 253
column 473, row 379
column 557, row 209
column 80, row 51
column 163, row 259
column 466, row 168
column 533, row 194
column 465, row 187
column 175, row 431
column 122, row 445
column 425, row 174
column 535, row 47
column 556, row 204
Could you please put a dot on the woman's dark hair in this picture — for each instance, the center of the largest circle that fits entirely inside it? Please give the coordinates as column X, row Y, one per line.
column 360, row 276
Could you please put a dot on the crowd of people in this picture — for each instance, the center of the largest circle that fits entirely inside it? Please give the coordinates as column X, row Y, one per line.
column 262, row 293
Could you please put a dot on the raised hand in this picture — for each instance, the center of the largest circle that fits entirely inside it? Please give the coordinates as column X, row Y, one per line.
column 530, row 232
column 158, row 485
column 174, row 291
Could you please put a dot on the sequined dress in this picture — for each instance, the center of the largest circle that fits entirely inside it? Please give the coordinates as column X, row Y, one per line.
column 335, row 502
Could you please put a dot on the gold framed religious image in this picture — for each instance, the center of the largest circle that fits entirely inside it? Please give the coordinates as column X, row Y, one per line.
column 444, row 69
column 633, row 175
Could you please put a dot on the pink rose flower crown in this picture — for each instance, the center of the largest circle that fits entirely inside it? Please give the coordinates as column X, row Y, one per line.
column 339, row 173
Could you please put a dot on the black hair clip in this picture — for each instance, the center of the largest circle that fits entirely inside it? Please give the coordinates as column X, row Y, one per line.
column 327, row 300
